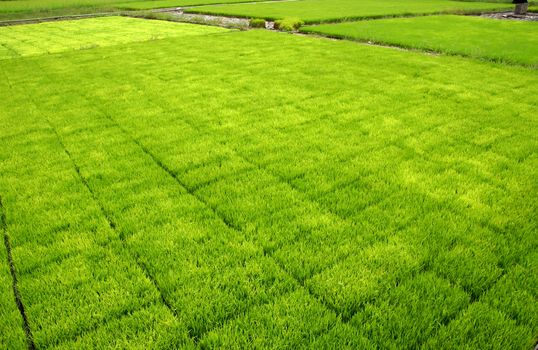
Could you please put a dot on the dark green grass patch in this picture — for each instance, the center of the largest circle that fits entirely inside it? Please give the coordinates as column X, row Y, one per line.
column 335, row 195
column 257, row 23
column 154, row 4
column 21, row 9
column 504, row 41
column 55, row 37
column 315, row 11
column 31, row 9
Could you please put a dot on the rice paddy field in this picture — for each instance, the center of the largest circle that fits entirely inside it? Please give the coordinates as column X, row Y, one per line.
column 155, row 4
column 318, row 11
column 55, row 37
column 177, row 186
column 504, row 41
column 313, row 11
column 14, row 9
column 20, row 9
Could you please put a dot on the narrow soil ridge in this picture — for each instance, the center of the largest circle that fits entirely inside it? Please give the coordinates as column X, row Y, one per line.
column 18, row 300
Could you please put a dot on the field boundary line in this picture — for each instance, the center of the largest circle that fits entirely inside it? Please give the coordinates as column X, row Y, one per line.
column 16, row 293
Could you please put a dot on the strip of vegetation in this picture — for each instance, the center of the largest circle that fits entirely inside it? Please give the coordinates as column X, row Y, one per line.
column 514, row 42
column 155, row 4
column 318, row 11
column 20, row 9
column 24, row 9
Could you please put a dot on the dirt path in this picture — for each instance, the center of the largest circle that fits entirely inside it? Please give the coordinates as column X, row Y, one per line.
column 232, row 22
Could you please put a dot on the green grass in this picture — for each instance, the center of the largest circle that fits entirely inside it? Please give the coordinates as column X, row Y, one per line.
column 314, row 11
column 152, row 4
column 191, row 192
column 505, row 41
column 20, row 9
column 84, row 34
column 15, row 9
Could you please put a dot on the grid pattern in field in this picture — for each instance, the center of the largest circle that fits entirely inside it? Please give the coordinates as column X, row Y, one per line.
column 312, row 11
column 335, row 195
column 54, row 37
column 507, row 41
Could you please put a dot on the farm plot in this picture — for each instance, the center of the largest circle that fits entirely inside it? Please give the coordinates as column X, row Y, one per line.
column 153, row 4
column 316, row 11
column 55, row 37
column 14, row 9
column 504, row 41
column 334, row 196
